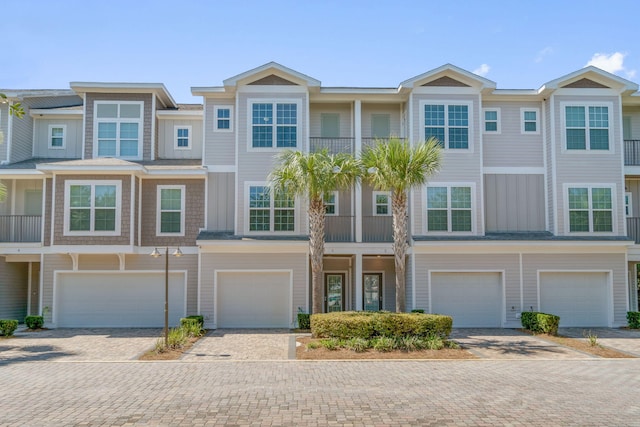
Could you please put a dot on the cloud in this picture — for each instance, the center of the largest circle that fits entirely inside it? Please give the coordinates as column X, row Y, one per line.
column 544, row 52
column 482, row 70
column 611, row 62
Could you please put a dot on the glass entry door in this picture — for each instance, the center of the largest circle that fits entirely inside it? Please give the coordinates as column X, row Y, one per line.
column 334, row 292
column 372, row 294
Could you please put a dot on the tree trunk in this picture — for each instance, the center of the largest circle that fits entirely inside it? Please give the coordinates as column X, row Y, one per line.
column 400, row 246
column 316, row 249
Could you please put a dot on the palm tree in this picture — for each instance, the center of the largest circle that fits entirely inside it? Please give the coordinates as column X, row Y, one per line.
column 312, row 176
column 396, row 166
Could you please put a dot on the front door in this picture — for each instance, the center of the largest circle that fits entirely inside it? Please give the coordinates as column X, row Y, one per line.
column 334, row 292
column 372, row 295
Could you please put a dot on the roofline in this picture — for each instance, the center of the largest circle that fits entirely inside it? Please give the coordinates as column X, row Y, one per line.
column 53, row 112
column 486, row 83
column 121, row 87
column 626, row 84
column 232, row 81
column 32, row 93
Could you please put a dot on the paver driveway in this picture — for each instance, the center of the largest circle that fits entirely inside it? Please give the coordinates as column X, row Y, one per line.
column 243, row 344
column 626, row 340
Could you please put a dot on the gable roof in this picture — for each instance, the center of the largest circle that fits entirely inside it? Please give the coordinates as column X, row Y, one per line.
column 452, row 72
column 597, row 76
column 272, row 68
column 158, row 89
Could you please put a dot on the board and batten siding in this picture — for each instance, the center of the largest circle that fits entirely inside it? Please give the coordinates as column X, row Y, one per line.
column 14, row 277
column 167, row 139
column 22, row 135
column 221, row 201
column 470, row 263
column 510, row 147
column 220, row 147
column 72, row 139
column 583, row 263
column 211, row 262
column 343, row 110
column 603, row 166
column 4, row 130
column 549, row 171
column 514, row 203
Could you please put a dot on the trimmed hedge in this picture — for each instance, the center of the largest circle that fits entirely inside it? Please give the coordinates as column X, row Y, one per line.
column 304, row 321
column 633, row 319
column 34, row 322
column 8, row 327
column 540, row 322
column 197, row 317
column 367, row 325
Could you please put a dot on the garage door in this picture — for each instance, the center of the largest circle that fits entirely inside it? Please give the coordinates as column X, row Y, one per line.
column 118, row 299
column 580, row 299
column 253, row 300
column 472, row 299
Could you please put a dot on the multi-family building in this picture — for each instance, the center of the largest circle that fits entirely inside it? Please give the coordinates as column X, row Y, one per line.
column 532, row 209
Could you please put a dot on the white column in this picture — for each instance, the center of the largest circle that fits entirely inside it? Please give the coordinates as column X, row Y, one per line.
column 358, row 281
column 357, row 128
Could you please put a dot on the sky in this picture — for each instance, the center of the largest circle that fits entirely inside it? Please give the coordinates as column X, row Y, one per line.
column 517, row 44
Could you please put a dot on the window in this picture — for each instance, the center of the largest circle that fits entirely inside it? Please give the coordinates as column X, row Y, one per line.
column 449, row 209
column 57, row 135
column 331, row 203
column 270, row 211
column 170, row 210
column 274, row 125
column 590, row 209
column 118, row 129
column 628, row 205
column 449, row 123
column 491, row 120
column 586, row 127
column 530, row 120
column 222, row 119
column 92, row 208
column 182, row 136
column 381, row 203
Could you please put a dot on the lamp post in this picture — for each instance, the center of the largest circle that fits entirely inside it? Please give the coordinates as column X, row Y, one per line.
column 177, row 253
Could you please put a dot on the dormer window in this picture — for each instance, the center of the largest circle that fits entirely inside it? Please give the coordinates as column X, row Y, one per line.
column 118, row 129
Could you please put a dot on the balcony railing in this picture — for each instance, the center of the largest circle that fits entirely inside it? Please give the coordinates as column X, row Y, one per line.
column 333, row 145
column 633, row 229
column 377, row 228
column 339, row 228
column 342, row 229
column 632, row 152
column 20, row 228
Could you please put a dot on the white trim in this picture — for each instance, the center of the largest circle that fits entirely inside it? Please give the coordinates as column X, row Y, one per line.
column 84, row 124
column 271, row 208
column 554, row 165
column 29, row 284
column 41, row 287
column 154, row 143
column 215, row 118
column 448, row 186
column 118, row 120
column 524, row 110
column 9, row 141
column 374, row 203
column 587, row 127
column 545, row 166
column 380, row 291
column 189, row 138
column 346, row 304
column 590, row 187
column 159, row 210
column 628, row 204
column 92, row 183
column 498, row 121
column 521, row 282
column 132, row 215
column 274, row 125
column 53, row 209
column 446, row 103
column 221, row 168
column 513, row 170
column 335, row 204
column 199, row 297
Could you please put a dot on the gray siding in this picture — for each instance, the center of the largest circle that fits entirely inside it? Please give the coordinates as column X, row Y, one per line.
column 633, row 186
column 220, row 147
column 73, row 139
column 167, row 142
column 4, row 129
column 221, row 201
column 52, row 263
column 344, row 110
column 22, row 136
column 514, row 203
column 551, row 193
column 634, row 114
column 14, row 290
column 370, row 109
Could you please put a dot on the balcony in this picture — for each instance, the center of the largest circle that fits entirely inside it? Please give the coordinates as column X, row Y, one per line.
column 633, row 229
column 20, row 228
column 332, row 145
column 632, row 152
column 339, row 228
column 375, row 229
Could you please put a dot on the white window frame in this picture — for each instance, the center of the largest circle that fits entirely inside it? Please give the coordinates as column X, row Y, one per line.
column 498, row 121
column 449, row 185
column 446, row 104
column 374, row 204
column 159, row 210
column 50, row 137
column 524, row 110
column 93, row 183
column 215, row 118
column 118, row 120
column 334, row 204
column 628, row 204
column 589, row 187
column 272, row 210
column 274, row 142
column 586, row 105
column 189, row 137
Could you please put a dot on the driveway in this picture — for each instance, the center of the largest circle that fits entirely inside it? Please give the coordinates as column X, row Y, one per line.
column 243, row 344
column 625, row 340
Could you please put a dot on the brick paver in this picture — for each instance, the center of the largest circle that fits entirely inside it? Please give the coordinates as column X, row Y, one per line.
column 461, row 393
column 627, row 340
column 242, row 344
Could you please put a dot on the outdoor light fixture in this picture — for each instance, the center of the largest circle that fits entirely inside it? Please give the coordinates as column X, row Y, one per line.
column 156, row 254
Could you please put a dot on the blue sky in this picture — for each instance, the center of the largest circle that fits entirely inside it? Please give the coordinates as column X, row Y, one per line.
column 517, row 44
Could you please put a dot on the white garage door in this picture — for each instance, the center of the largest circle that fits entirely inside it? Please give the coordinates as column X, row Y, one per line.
column 472, row 299
column 118, row 299
column 253, row 300
column 580, row 299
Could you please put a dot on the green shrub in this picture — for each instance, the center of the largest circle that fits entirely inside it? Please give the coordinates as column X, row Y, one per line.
column 8, row 327
column 357, row 344
column 197, row 317
column 418, row 310
column 34, row 322
column 330, row 343
column 410, row 343
column 540, row 322
column 383, row 344
column 177, row 338
column 433, row 342
column 304, row 321
column 191, row 326
column 313, row 345
column 633, row 319
column 344, row 325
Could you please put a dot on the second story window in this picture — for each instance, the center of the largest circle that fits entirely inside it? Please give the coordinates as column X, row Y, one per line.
column 331, row 203
column 274, row 125
column 57, row 134
column 381, row 203
column 170, row 210
column 118, row 129
column 529, row 121
column 449, row 209
column 92, row 208
column 182, row 137
column 448, row 123
column 270, row 211
column 492, row 120
column 590, row 209
column 586, row 127
column 222, row 116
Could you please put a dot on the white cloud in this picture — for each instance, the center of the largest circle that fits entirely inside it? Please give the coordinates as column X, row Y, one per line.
column 611, row 62
column 544, row 52
column 482, row 70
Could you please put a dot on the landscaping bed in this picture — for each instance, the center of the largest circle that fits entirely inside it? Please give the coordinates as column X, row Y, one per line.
column 583, row 345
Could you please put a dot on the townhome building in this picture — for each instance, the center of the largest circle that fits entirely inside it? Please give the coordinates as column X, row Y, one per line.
column 531, row 210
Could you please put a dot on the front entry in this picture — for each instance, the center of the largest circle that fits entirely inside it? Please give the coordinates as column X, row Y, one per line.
column 334, row 292
column 372, row 295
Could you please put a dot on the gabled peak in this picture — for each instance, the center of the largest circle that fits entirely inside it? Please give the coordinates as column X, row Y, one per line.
column 449, row 75
column 586, row 83
column 446, row 81
column 272, row 73
column 591, row 77
column 273, row 80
